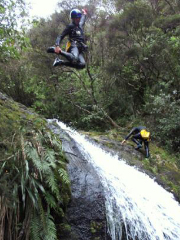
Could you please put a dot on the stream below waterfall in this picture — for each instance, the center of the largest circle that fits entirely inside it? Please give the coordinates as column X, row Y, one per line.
column 133, row 200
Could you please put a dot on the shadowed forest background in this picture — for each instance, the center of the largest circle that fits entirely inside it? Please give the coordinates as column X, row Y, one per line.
column 132, row 73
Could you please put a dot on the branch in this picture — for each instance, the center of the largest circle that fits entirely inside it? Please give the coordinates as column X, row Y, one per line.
column 92, row 82
column 102, row 110
column 109, row 118
column 79, row 76
column 76, row 105
column 167, row 1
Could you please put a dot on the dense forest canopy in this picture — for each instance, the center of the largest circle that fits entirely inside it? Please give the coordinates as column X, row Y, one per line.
column 132, row 71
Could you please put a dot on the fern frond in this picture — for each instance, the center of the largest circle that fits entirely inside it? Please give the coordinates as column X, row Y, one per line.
column 62, row 162
column 32, row 197
column 54, row 141
column 50, row 158
column 57, row 144
column 39, row 185
column 35, row 227
column 23, row 184
column 48, row 137
column 42, row 214
column 64, row 176
column 52, row 183
column 22, row 147
column 32, row 154
column 51, row 233
column 2, row 167
column 51, row 201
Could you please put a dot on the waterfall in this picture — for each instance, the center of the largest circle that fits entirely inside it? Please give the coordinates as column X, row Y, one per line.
column 133, row 200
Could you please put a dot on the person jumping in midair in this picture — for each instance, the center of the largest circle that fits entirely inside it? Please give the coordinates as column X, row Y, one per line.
column 75, row 46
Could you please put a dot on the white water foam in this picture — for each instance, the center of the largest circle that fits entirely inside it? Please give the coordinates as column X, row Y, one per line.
column 147, row 211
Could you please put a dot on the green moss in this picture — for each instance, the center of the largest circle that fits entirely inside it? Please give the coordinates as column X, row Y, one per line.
column 65, row 227
column 109, row 144
column 96, row 227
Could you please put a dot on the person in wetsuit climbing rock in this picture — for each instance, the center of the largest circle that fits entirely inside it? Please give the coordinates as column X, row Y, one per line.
column 76, row 44
column 139, row 135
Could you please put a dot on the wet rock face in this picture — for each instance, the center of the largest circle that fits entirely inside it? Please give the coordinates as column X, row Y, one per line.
column 86, row 210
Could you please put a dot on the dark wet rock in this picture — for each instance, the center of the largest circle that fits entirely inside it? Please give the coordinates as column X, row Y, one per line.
column 3, row 97
column 86, row 211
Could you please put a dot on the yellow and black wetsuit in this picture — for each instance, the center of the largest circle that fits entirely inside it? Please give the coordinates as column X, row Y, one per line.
column 138, row 139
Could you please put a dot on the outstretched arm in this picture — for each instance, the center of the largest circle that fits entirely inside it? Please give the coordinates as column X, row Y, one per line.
column 83, row 18
column 127, row 137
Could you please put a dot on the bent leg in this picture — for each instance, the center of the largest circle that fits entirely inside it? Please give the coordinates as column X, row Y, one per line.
column 137, row 139
column 75, row 61
column 59, row 62
column 73, row 55
column 146, row 147
column 81, row 62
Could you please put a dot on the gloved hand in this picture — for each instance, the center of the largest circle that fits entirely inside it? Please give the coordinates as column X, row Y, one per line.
column 84, row 11
column 123, row 141
column 57, row 50
column 84, row 46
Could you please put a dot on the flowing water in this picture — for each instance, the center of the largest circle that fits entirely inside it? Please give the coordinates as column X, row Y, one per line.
column 133, row 200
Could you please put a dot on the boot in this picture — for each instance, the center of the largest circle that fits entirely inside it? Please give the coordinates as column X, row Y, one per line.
column 57, row 62
column 138, row 146
column 51, row 50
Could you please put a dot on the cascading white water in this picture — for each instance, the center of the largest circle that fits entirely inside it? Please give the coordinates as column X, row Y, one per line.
column 147, row 211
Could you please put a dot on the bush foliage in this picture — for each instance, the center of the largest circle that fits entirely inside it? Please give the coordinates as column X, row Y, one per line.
column 132, row 68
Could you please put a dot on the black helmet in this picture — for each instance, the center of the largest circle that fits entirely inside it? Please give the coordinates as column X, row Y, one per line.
column 75, row 13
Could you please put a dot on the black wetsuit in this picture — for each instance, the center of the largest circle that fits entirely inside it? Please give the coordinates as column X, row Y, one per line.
column 137, row 138
column 76, row 37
